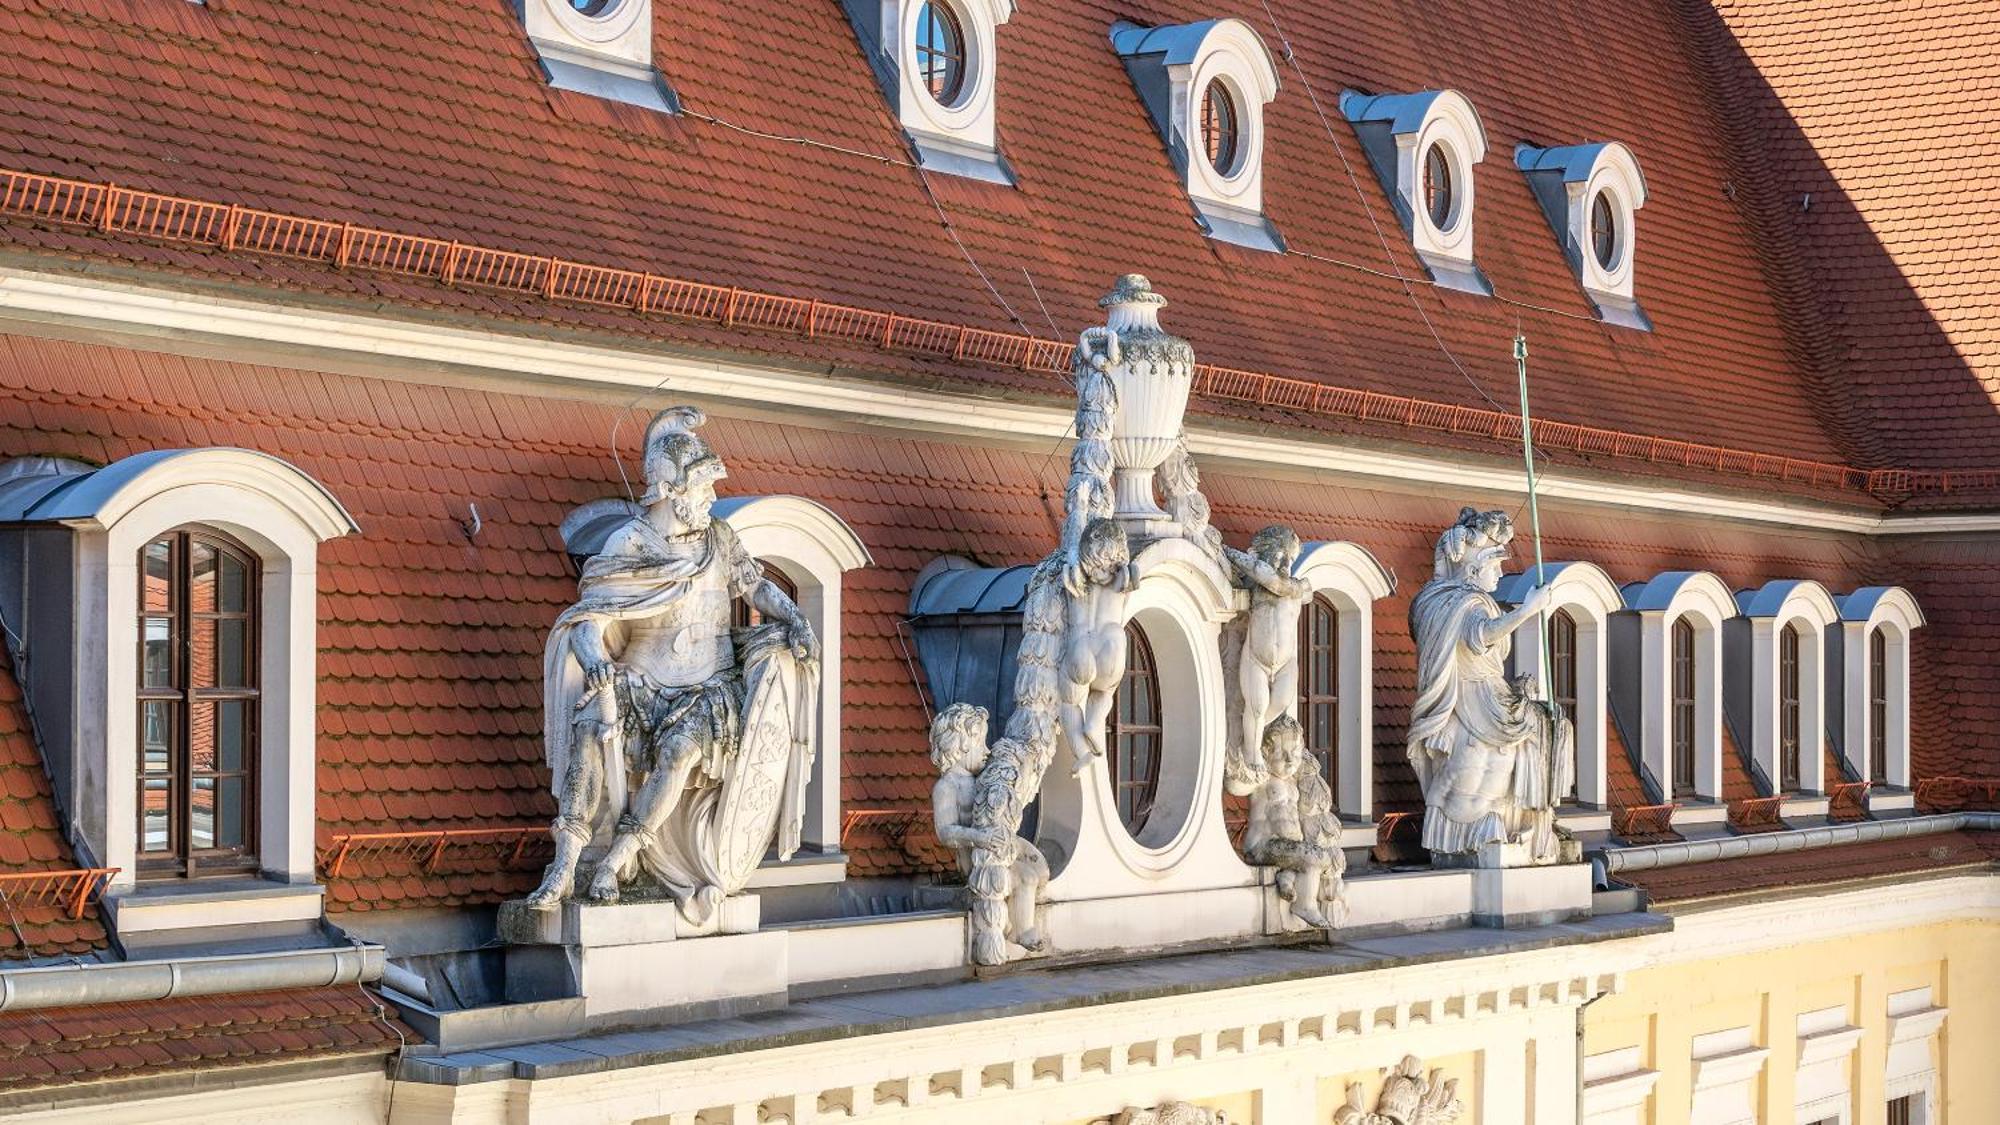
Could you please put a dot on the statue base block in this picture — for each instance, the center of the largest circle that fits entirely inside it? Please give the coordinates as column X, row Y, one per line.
column 643, row 957
column 1518, row 897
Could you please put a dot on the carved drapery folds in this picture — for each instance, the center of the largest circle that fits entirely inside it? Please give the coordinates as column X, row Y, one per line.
column 1493, row 759
column 1408, row 1097
column 679, row 747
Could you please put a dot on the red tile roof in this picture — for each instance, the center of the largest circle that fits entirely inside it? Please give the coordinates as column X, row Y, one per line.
column 437, row 120
column 430, row 643
column 1816, row 866
column 1865, row 121
column 113, row 1043
column 31, row 842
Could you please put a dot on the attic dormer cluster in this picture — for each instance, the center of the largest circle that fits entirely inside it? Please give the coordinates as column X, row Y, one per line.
column 1205, row 85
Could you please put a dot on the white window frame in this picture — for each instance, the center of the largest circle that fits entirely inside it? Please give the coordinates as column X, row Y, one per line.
column 1910, row 1068
column 1822, row 1086
column 609, row 55
column 1893, row 610
column 1172, row 66
column 1726, row 1068
column 1707, row 603
column 813, row 548
column 1412, row 124
column 1567, row 182
column 1591, row 597
column 960, row 139
column 1805, row 605
column 282, row 516
column 1352, row 580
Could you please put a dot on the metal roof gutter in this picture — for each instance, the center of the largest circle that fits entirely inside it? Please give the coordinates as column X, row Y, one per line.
column 60, row 986
column 1607, row 863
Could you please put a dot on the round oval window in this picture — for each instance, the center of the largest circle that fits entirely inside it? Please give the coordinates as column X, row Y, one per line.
column 593, row 8
column 1440, row 192
column 940, row 52
column 1221, row 127
column 1604, row 230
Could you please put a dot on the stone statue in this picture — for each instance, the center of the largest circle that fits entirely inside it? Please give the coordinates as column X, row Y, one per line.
column 1492, row 761
column 1170, row 1113
column 1293, row 828
column 686, row 743
column 1093, row 653
column 1180, row 488
column 958, row 750
column 1408, row 1097
column 1266, row 654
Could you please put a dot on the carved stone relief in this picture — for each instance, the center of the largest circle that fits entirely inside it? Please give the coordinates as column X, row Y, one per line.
column 1408, row 1097
column 1170, row 1113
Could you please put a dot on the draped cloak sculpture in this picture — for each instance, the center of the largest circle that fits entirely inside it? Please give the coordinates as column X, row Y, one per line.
column 677, row 743
column 1493, row 761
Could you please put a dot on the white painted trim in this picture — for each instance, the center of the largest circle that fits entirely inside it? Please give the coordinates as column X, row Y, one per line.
column 1808, row 608
column 1726, row 1067
column 1894, row 611
column 151, row 317
column 969, row 121
column 1591, row 597
column 227, row 490
column 1352, row 580
column 1616, row 1087
column 814, row 548
column 1764, row 924
column 1706, row 602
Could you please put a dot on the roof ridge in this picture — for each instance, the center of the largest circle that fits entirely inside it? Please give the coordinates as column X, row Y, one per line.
column 110, row 209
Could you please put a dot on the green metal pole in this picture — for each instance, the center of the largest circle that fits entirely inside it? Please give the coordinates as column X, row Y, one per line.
column 1534, row 513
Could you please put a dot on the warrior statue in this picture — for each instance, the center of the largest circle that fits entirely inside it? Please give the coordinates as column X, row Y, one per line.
column 1493, row 761
column 687, row 743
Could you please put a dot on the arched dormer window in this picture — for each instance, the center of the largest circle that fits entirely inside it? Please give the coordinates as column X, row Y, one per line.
column 1667, row 669
column 1871, row 680
column 1424, row 148
column 194, row 749
column 938, row 64
column 1591, row 195
column 1583, row 600
column 1783, row 666
column 1336, row 666
column 1133, row 737
column 1205, row 85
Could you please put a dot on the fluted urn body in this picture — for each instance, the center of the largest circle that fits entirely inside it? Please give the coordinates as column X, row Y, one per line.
column 1152, row 373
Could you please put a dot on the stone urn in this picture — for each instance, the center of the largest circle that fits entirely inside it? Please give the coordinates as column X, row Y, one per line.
column 1153, row 373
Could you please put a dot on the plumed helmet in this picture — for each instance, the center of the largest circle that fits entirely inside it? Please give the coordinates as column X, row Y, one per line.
column 676, row 457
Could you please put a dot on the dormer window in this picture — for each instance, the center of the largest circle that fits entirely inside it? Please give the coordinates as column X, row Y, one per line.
column 1423, row 147
column 603, row 48
column 1205, row 86
column 1582, row 601
column 1667, row 684
column 1870, row 711
column 1777, row 684
column 937, row 61
column 1591, row 195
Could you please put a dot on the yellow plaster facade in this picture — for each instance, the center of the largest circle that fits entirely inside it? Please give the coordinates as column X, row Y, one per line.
column 1664, row 1008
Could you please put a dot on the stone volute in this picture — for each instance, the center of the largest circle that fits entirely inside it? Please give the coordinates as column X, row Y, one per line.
column 1153, row 372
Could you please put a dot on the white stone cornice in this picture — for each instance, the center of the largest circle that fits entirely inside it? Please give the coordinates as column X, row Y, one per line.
column 1824, row 1046
column 1727, row 931
column 153, row 317
column 1919, row 1024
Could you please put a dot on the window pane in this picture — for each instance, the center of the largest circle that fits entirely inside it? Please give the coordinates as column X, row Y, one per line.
column 201, row 737
column 158, row 662
column 201, row 814
column 232, row 734
column 230, row 809
column 221, row 656
column 157, row 576
column 156, row 736
column 155, row 815
column 233, row 590
column 201, row 557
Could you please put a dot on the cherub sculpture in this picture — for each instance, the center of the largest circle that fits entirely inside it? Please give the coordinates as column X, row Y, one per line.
column 1293, row 828
column 1093, row 648
column 1180, row 488
column 1493, row 761
column 651, row 698
column 1267, row 664
column 958, row 750
column 1408, row 1097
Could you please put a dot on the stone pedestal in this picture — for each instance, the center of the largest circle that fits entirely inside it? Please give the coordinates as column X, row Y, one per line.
column 626, row 959
column 1515, row 897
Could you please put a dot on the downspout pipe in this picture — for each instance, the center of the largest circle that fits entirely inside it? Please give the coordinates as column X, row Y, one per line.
column 1611, row 861
column 61, row 986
